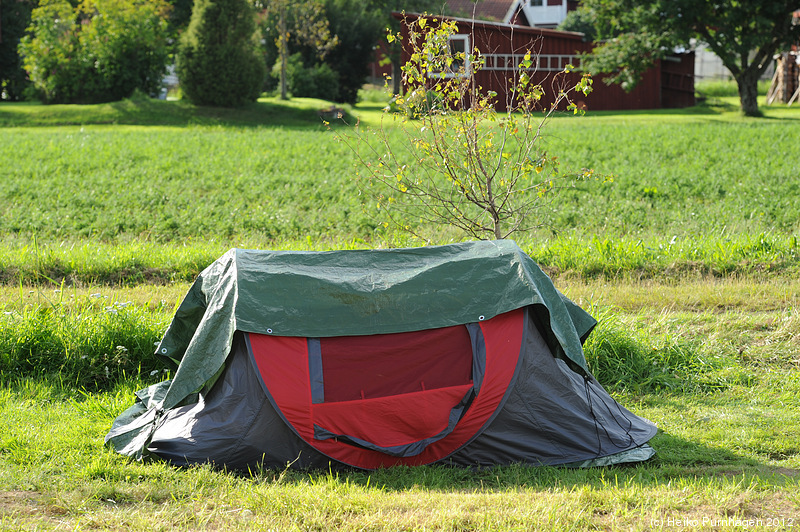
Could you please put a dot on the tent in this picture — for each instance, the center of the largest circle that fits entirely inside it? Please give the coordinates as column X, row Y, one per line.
column 462, row 354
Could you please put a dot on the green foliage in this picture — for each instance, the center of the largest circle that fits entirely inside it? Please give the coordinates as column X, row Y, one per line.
column 51, row 53
column 93, row 344
column 581, row 21
column 128, row 43
column 358, row 28
column 317, row 81
column 462, row 163
column 219, row 59
column 288, row 24
column 394, row 49
column 101, row 51
column 180, row 15
column 744, row 34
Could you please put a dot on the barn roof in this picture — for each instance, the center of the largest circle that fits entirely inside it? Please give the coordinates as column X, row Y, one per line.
column 482, row 9
column 495, row 26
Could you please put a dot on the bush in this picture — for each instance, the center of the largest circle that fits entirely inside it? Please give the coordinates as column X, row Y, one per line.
column 50, row 52
column 318, row 81
column 358, row 28
column 15, row 17
column 219, row 58
column 101, row 51
column 465, row 165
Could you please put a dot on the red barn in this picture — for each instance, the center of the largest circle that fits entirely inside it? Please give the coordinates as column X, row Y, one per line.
column 669, row 84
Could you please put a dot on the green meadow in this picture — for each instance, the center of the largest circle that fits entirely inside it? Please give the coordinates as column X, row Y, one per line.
column 687, row 254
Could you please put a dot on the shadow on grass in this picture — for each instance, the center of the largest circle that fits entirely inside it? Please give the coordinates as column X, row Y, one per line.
column 677, row 458
column 149, row 112
column 709, row 108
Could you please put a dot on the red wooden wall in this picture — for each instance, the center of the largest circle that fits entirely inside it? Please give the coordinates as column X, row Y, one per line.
column 668, row 84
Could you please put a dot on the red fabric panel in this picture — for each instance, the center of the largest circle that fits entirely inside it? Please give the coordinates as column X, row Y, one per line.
column 390, row 421
column 366, row 367
column 283, row 364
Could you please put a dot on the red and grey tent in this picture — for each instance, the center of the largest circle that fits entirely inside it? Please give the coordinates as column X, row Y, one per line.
column 463, row 354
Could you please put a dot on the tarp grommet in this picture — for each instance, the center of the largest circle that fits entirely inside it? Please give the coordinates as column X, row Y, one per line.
column 269, row 331
column 481, row 317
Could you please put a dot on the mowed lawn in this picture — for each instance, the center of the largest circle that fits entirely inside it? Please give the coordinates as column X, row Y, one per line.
column 258, row 178
column 688, row 257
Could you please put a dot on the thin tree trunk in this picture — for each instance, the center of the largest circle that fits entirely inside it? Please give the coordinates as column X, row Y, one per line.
column 397, row 74
column 283, row 45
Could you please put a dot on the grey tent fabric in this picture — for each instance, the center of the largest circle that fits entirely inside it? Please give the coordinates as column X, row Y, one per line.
column 234, row 425
column 554, row 415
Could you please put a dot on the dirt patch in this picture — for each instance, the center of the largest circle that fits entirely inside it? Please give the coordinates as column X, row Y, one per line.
column 26, row 507
column 786, row 471
column 19, row 502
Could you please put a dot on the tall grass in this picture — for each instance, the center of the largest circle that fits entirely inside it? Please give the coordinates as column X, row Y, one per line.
column 638, row 359
column 92, row 344
column 717, row 88
column 669, row 256
column 96, row 343
column 86, row 263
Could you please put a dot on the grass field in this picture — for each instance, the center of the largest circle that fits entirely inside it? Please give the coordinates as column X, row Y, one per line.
column 707, row 174
column 689, row 259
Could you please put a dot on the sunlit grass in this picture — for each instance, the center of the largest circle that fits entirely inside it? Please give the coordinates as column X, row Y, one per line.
column 273, row 176
column 129, row 263
column 722, row 456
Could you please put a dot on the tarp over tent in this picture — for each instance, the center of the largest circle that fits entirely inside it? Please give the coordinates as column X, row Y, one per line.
column 464, row 354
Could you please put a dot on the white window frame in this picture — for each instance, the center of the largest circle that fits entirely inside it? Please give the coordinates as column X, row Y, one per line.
column 464, row 38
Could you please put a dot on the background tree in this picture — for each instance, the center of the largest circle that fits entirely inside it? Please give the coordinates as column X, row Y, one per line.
column 126, row 42
column 103, row 50
column 455, row 160
column 345, row 44
column 581, row 21
column 180, row 15
column 314, row 80
column 15, row 15
column 358, row 29
column 745, row 34
column 303, row 23
column 219, row 58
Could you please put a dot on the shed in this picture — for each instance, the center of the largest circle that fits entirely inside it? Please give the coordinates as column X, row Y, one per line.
column 669, row 84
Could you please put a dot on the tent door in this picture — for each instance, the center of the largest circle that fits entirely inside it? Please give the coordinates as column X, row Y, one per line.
column 394, row 393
